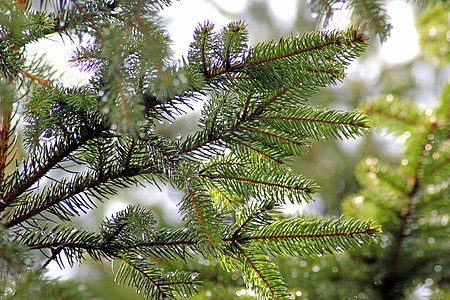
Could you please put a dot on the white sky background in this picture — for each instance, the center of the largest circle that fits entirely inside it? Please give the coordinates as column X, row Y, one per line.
column 181, row 19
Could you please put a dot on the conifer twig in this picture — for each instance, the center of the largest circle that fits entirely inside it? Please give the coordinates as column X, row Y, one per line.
column 35, row 77
column 200, row 216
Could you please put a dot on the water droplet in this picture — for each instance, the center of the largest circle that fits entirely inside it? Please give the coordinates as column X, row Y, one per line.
column 359, row 199
column 444, row 220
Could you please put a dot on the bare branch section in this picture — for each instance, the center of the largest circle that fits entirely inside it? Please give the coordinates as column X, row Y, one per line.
column 32, row 76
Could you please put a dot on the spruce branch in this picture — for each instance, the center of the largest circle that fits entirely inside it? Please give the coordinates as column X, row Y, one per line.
column 64, row 193
column 407, row 200
column 256, row 216
column 200, row 216
column 111, row 248
column 277, row 160
column 151, row 282
column 219, row 135
column 55, row 254
column 326, row 41
column 369, row 15
column 129, row 273
column 279, row 185
column 372, row 16
column 278, row 136
column 88, row 18
column 54, row 155
column 272, row 182
column 297, row 236
column 260, row 272
column 408, row 209
column 255, row 268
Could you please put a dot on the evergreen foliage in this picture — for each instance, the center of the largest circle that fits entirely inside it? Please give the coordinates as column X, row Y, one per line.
column 84, row 143
column 408, row 197
column 410, row 200
column 370, row 15
column 433, row 25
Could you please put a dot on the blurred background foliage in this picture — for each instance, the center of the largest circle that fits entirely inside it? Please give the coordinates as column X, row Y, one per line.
column 332, row 164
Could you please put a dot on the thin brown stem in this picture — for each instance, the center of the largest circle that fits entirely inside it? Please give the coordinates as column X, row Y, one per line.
column 32, row 76
column 220, row 177
column 313, row 235
column 255, row 268
column 200, row 216
column 312, row 120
